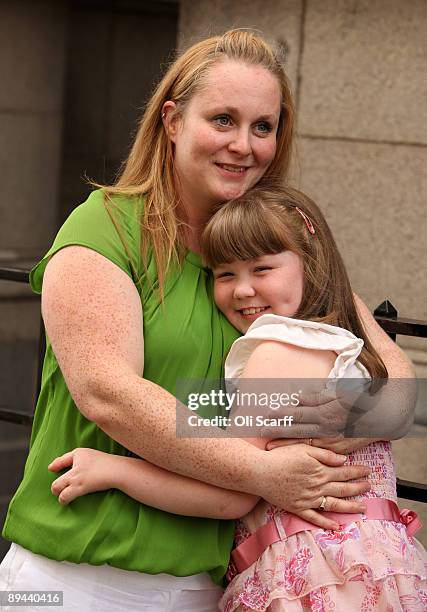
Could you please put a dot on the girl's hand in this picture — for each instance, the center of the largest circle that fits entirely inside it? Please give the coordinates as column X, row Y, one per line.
column 338, row 444
column 90, row 470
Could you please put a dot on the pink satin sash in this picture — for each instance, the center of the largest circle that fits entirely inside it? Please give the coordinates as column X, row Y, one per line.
column 377, row 509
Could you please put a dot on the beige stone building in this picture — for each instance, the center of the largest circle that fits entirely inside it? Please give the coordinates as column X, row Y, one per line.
column 75, row 74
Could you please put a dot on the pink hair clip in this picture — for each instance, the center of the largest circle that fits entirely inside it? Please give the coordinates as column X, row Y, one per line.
column 307, row 220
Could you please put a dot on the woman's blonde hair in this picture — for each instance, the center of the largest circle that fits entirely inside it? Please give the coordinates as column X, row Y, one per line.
column 149, row 169
column 271, row 220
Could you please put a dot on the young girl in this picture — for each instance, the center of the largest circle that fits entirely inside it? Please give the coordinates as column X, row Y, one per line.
column 279, row 279
column 273, row 254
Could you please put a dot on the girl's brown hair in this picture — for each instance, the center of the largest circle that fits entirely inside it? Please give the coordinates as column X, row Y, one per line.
column 267, row 220
column 149, row 169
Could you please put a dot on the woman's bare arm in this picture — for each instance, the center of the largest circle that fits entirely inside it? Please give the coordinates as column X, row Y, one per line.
column 93, row 319
column 389, row 413
column 399, row 367
column 397, row 363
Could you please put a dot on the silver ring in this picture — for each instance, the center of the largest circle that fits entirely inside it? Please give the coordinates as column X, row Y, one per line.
column 323, row 503
column 310, row 441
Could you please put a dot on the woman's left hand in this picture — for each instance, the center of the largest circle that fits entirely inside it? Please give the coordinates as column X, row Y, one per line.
column 338, row 444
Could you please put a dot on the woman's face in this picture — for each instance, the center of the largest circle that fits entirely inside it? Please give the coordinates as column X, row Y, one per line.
column 271, row 284
column 226, row 138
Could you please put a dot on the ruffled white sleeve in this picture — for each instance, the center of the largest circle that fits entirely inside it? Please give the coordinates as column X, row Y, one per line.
column 306, row 334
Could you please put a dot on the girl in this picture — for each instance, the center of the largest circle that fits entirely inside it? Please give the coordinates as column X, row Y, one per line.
column 273, row 254
column 280, row 280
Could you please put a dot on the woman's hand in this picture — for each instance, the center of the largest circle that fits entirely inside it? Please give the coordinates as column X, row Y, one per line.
column 312, row 474
column 90, row 471
column 337, row 444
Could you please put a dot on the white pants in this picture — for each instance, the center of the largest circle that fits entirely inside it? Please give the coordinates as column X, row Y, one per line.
column 89, row 588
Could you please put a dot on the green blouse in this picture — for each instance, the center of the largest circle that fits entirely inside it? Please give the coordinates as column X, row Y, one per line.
column 110, row 527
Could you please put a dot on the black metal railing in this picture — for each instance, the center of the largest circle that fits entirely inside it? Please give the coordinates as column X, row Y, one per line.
column 385, row 314
column 21, row 275
column 15, row 274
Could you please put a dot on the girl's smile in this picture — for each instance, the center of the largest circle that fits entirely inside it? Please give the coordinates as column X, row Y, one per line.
column 245, row 290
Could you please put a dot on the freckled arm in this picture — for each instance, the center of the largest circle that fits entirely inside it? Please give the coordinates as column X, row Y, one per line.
column 93, row 317
column 390, row 412
column 92, row 312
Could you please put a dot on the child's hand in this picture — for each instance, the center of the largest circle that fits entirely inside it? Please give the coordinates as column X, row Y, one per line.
column 91, row 470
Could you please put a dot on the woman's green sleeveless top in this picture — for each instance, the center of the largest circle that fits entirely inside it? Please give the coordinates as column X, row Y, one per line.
column 186, row 337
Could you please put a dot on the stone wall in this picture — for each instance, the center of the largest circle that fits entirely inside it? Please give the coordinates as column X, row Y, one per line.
column 357, row 69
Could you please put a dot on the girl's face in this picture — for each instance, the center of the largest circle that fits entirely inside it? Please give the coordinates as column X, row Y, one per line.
column 226, row 138
column 245, row 290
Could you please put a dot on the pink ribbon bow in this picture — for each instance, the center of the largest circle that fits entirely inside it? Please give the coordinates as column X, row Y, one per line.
column 410, row 519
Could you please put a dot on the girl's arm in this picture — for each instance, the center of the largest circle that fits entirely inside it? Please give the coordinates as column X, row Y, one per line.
column 92, row 470
column 93, row 317
column 278, row 360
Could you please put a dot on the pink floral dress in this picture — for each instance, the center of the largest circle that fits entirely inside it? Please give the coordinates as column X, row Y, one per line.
column 366, row 565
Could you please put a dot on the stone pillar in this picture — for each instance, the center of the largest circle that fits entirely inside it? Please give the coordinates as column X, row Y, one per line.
column 32, row 65
column 32, row 59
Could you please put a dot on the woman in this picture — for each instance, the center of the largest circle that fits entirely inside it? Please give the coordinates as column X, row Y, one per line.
column 219, row 121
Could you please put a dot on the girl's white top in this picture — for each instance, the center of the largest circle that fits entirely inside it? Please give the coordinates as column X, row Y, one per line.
column 320, row 336
column 305, row 334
